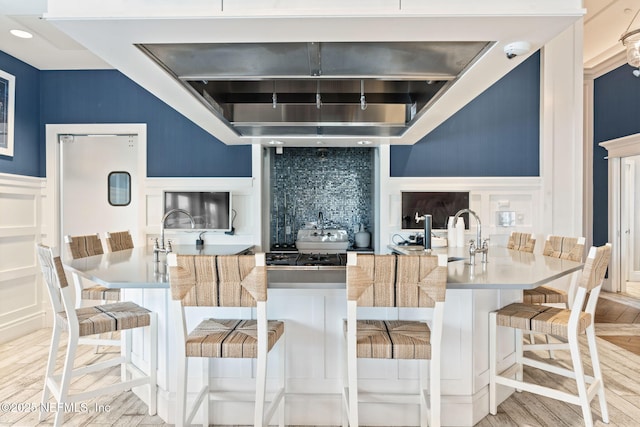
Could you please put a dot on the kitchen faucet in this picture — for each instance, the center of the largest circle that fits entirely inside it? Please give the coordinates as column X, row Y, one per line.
column 160, row 246
column 426, row 241
column 479, row 246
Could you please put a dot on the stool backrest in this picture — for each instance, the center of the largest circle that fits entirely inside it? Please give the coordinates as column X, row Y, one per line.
column 396, row 281
column 119, row 241
column 524, row 242
column 571, row 248
column 84, row 246
column 218, row 280
column 595, row 267
column 55, row 279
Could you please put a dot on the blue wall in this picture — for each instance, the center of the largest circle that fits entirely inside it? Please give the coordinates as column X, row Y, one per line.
column 496, row 134
column 616, row 113
column 176, row 147
column 27, row 147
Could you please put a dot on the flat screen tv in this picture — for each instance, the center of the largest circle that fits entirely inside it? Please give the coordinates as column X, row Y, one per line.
column 439, row 204
column 211, row 210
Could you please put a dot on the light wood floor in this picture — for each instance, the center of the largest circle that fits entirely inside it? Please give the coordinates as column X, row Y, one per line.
column 22, row 364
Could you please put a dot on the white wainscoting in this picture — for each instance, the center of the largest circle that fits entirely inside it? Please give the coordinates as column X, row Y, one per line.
column 244, row 201
column 21, row 293
column 487, row 197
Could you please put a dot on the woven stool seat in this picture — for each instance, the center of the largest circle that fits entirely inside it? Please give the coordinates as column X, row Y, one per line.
column 539, row 318
column 544, row 295
column 393, row 339
column 230, row 338
column 101, row 293
column 571, row 248
column 82, row 247
column 109, row 318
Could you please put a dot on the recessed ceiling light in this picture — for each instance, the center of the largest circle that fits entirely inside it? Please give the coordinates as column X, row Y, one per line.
column 22, row 34
column 364, row 142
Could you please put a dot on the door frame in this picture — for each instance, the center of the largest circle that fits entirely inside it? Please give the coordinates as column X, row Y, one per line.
column 629, row 175
column 51, row 211
column 617, row 149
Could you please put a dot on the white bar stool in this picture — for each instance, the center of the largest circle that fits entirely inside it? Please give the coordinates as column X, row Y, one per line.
column 82, row 322
column 225, row 281
column 416, row 281
column 563, row 324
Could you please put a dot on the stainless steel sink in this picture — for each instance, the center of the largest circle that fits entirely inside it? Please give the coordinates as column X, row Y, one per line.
column 416, row 248
column 322, row 241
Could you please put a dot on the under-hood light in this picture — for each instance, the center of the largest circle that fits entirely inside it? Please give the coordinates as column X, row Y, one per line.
column 274, row 142
column 21, row 34
column 364, row 142
column 363, row 101
column 274, row 97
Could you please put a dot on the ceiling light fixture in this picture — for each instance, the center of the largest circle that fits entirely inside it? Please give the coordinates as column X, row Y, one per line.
column 21, row 33
column 631, row 41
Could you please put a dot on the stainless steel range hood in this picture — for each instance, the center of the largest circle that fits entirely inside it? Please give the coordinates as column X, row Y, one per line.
column 359, row 89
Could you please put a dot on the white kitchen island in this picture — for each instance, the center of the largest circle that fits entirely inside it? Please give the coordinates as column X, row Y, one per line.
column 312, row 302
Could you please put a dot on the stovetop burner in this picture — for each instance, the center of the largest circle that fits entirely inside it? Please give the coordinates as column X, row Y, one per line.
column 273, row 258
column 305, row 259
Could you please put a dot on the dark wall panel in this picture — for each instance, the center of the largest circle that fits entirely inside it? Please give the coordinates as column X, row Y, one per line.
column 25, row 160
column 616, row 113
column 176, row 147
column 496, row 134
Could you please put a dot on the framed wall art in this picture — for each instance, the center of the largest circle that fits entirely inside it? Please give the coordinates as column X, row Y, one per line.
column 7, row 101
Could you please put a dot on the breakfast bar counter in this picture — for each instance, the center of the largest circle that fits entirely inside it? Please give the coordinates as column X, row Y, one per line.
column 312, row 302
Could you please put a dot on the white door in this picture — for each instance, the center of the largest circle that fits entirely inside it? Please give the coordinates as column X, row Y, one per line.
column 630, row 200
column 98, row 184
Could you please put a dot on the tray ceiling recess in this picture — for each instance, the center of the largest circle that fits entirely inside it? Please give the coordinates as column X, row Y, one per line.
column 353, row 89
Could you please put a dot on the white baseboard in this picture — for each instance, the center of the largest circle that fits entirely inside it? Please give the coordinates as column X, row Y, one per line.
column 21, row 327
column 326, row 410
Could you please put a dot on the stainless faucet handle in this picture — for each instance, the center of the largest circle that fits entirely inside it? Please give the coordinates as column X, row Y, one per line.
column 472, row 252
column 485, row 243
column 155, row 243
column 169, row 248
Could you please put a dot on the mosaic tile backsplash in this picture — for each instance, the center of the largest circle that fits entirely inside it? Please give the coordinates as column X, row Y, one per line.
column 335, row 181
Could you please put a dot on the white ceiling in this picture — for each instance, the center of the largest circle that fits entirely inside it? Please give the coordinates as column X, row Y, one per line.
column 53, row 49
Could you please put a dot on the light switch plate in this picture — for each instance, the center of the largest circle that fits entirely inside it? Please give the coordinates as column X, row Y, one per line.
column 506, row 218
